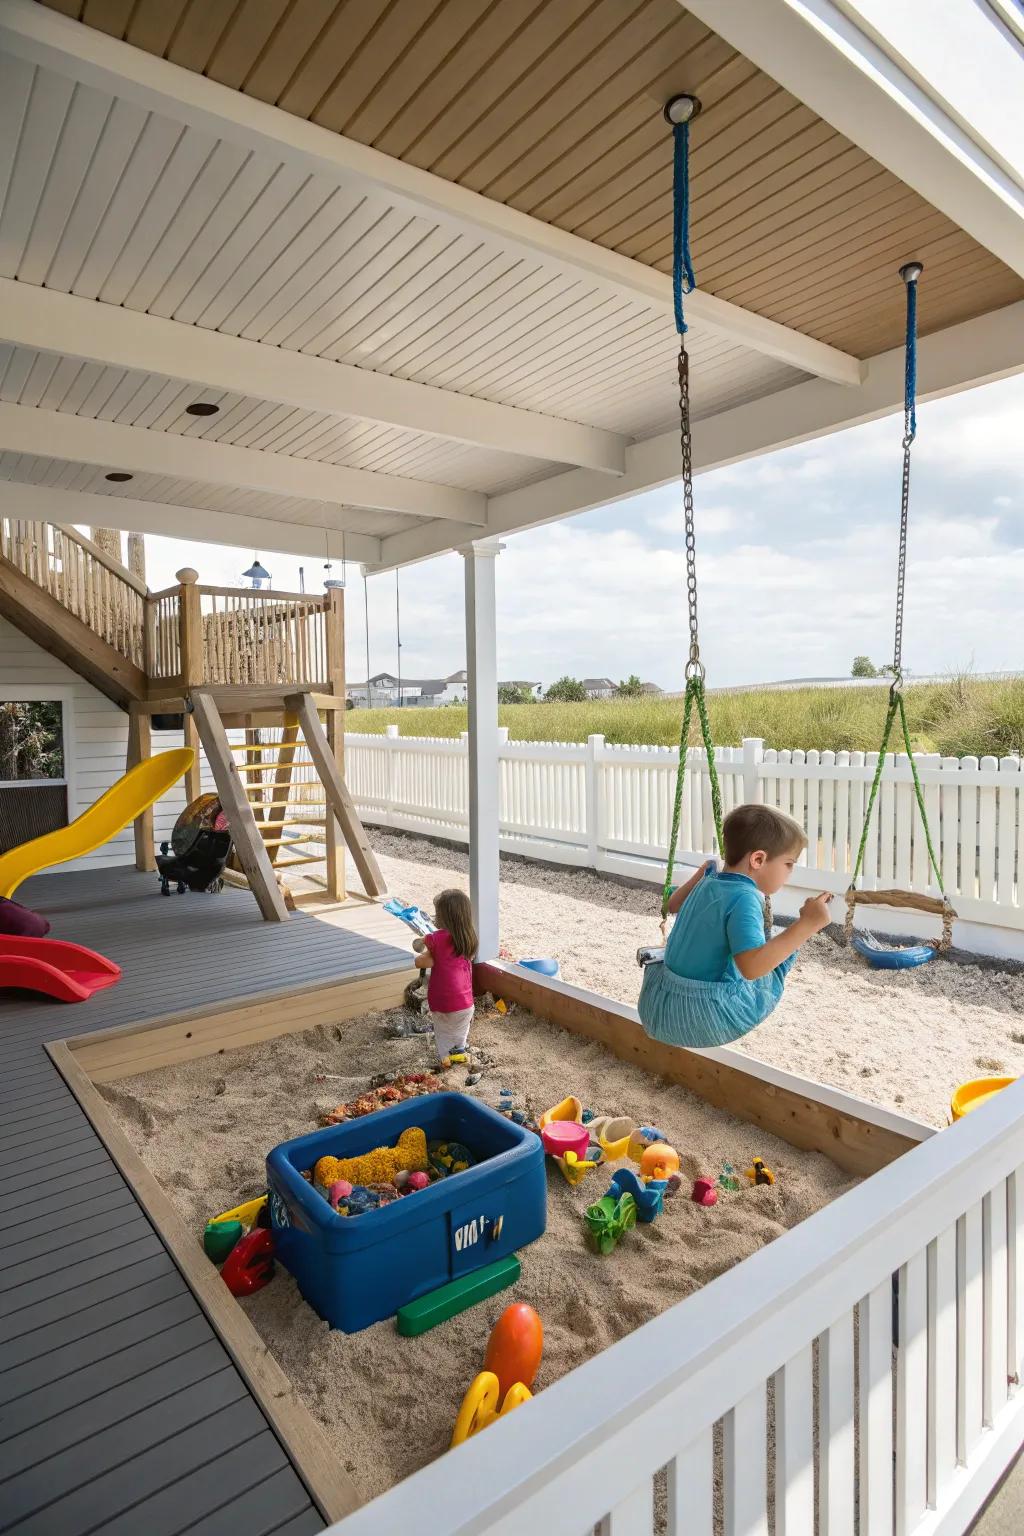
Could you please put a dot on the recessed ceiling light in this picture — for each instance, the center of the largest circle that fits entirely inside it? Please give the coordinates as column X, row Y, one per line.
column 119, row 476
column 202, row 408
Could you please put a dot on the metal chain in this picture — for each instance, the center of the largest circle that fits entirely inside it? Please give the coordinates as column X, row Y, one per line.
column 901, row 569
column 694, row 666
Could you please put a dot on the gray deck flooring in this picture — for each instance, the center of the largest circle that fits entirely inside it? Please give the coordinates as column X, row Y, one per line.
column 120, row 1410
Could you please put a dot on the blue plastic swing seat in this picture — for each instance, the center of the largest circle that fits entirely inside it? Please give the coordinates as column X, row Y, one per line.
column 699, row 1014
column 885, row 959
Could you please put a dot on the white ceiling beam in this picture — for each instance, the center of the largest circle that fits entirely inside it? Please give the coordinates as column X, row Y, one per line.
column 55, row 42
column 58, row 434
column 43, row 503
column 844, row 61
column 105, row 333
column 960, row 357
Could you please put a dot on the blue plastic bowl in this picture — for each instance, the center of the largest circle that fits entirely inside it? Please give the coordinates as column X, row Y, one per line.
column 544, row 967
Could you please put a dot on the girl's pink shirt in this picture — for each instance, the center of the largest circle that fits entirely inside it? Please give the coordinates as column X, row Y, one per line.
column 450, row 987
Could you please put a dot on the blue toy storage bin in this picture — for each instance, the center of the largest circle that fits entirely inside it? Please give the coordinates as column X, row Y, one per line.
column 356, row 1270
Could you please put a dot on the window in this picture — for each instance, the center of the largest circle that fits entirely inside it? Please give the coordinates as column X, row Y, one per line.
column 33, row 769
column 31, row 740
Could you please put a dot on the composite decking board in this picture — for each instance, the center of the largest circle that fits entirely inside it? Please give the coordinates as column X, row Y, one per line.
column 37, row 1342
column 98, row 1279
column 109, row 1409
column 56, row 1311
column 52, row 1309
column 31, row 1491
column 117, row 1498
column 56, row 1397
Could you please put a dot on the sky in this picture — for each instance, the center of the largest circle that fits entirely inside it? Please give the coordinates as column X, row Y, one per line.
column 796, row 556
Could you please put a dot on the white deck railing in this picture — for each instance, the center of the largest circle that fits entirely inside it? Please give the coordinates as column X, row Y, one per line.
column 778, row 1383
column 609, row 808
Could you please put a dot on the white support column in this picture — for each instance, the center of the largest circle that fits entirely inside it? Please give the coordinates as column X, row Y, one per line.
column 482, row 691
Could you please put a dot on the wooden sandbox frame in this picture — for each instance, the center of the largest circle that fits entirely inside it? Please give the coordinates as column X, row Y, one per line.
column 858, row 1137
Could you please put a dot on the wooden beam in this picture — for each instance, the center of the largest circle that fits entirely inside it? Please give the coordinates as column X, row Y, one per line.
column 275, row 811
column 193, row 665
column 30, row 429
column 338, row 798
column 316, row 1461
column 133, row 514
column 140, row 746
column 253, row 857
column 858, row 1137
column 47, row 320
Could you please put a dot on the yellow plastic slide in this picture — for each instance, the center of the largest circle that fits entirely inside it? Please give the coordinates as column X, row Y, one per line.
column 105, row 818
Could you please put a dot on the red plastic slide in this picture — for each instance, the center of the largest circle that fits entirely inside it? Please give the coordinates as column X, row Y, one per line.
column 68, row 972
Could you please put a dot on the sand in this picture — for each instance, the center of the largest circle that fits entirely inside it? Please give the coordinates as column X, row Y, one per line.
column 901, row 1039
column 388, row 1404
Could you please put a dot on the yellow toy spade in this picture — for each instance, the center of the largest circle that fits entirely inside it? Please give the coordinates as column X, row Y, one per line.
column 480, row 1405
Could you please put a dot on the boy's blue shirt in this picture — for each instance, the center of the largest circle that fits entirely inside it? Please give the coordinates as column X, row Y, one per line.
column 723, row 916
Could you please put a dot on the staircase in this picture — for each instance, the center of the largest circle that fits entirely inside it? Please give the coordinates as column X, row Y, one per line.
column 268, row 789
column 267, row 663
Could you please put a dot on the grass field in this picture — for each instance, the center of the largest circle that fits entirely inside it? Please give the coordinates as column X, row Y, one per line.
column 960, row 717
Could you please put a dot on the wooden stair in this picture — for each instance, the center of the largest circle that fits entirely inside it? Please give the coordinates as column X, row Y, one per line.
column 279, row 793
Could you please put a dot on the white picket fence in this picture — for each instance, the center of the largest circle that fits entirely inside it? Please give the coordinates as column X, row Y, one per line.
column 610, row 808
column 772, row 1402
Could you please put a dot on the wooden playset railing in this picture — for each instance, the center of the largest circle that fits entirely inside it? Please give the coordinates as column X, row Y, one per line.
column 94, row 588
column 187, row 635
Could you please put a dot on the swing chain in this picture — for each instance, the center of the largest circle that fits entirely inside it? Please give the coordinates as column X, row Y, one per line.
column 694, row 666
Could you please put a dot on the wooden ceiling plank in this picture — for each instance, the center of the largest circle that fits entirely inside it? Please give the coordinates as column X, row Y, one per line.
column 110, row 16
column 839, row 260
column 625, row 223
column 412, row 74
column 239, row 48
column 86, row 120
column 153, row 22
column 353, row 53
column 575, row 185
column 301, row 31
column 864, row 198
column 42, row 126
column 468, row 102
column 332, row 36
column 617, row 72
column 593, row 48
column 199, row 33
column 602, row 109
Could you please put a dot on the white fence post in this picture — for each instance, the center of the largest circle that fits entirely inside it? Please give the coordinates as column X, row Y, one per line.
column 592, row 811
column 753, row 757
column 391, row 735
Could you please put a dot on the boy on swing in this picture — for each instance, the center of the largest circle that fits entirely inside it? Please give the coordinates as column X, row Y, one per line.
column 721, row 976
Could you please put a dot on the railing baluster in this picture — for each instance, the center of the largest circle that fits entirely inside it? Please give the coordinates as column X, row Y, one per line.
column 794, row 1446
column 993, row 1237
column 691, row 1488
column 745, row 1466
column 633, row 1515
column 836, row 1429
column 942, row 1348
column 969, row 1290
column 1015, row 1276
column 875, row 1383
column 911, row 1395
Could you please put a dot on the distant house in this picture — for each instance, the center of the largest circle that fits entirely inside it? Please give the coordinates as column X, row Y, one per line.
column 385, row 691
column 536, row 690
column 599, row 687
column 649, row 688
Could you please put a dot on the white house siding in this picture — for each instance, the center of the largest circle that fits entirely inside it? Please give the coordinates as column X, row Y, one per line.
column 96, row 740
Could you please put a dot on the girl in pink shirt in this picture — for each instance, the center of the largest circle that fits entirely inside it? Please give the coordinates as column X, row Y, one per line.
column 448, row 955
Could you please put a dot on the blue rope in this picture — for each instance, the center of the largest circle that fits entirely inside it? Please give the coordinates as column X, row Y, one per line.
column 683, row 280
column 910, row 366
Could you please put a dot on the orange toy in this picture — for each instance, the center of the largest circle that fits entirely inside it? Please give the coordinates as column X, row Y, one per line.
column 515, row 1346
column 658, row 1161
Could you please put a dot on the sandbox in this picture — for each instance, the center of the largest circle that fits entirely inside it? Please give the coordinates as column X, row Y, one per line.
column 190, row 1107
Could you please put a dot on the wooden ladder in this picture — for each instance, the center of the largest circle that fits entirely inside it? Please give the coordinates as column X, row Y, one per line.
column 276, row 809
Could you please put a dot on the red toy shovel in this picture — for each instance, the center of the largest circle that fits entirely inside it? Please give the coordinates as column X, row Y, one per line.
column 250, row 1264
